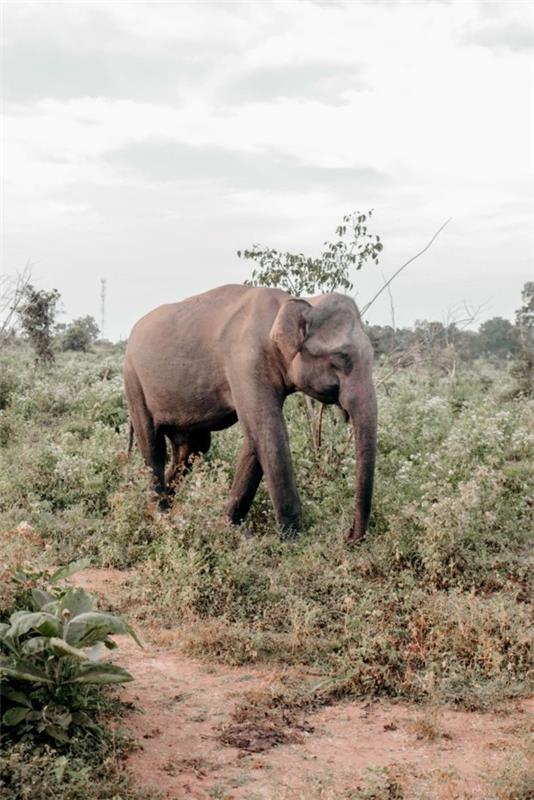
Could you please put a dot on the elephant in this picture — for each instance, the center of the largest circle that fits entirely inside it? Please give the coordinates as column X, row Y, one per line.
column 235, row 353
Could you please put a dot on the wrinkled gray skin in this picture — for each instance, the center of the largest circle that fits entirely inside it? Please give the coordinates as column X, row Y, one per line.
column 236, row 352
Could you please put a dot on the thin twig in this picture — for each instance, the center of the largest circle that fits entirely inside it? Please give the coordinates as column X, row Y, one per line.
column 385, row 286
column 391, row 304
column 12, row 289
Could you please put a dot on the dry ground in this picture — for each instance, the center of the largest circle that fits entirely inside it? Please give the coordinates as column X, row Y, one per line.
column 207, row 731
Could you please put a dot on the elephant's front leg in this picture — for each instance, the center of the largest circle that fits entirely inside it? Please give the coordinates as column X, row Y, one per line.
column 246, row 481
column 264, row 425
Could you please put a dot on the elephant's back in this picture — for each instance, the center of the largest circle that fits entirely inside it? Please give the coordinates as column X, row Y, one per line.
column 168, row 313
column 202, row 320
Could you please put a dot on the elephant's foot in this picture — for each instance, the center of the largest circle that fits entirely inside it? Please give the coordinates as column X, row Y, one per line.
column 291, row 529
column 164, row 501
column 290, row 534
column 353, row 536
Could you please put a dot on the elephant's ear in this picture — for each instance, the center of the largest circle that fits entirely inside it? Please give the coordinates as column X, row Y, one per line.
column 290, row 327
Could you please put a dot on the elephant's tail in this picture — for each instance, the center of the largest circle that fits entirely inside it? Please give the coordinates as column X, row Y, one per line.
column 130, row 439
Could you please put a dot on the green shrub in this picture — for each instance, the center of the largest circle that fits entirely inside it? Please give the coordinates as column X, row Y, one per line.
column 80, row 334
column 50, row 660
column 8, row 385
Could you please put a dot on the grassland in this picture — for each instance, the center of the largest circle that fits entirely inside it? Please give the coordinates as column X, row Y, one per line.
column 436, row 604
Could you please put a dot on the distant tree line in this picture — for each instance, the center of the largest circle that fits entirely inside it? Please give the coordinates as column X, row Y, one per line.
column 495, row 338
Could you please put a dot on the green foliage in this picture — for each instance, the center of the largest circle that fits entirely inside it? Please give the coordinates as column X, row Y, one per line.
column 435, row 603
column 523, row 369
column 8, row 385
column 50, row 659
column 299, row 274
column 498, row 337
column 37, row 312
column 80, row 334
column 29, row 578
column 524, row 316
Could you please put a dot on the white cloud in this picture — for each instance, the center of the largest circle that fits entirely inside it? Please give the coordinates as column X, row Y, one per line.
column 433, row 97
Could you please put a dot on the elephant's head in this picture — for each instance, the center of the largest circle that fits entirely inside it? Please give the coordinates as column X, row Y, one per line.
column 328, row 355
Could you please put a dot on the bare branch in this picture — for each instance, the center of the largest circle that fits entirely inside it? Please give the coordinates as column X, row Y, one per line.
column 400, row 269
column 11, row 291
column 391, row 304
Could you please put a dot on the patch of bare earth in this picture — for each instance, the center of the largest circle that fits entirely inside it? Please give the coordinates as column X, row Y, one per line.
column 205, row 731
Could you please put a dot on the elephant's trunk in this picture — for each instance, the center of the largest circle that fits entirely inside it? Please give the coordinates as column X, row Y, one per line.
column 362, row 411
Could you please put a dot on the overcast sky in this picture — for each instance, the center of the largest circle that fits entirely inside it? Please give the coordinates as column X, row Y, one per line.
column 146, row 142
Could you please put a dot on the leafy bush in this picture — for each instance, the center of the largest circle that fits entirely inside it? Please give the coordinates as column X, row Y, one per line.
column 80, row 334
column 37, row 311
column 50, row 657
column 8, row 384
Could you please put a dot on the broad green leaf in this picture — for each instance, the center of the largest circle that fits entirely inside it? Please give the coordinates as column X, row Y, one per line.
column 40, row 621
column 15, row 715
column 60, row 765
column 81, row 635
column 113, row 623
column 16, row 615
column 51, row 607
column 16, row 697
column 81, row 718
column 57, row 733
column 7, row 640
column 40, row 598
column 61, row 648
column 69, row 569
column 22, row 671
column 35, row 645
column 77, row 601
column 61, row 717
column 101, row 674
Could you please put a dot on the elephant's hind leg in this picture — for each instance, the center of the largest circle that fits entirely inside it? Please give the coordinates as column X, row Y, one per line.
column 185, row 449
column 246, row 481
column 151, row 441
column 152, row 445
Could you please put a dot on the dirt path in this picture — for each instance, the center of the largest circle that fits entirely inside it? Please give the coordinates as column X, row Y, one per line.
column 184, row 705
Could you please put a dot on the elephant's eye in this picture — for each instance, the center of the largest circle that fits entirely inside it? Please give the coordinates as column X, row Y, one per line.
column 342, row 360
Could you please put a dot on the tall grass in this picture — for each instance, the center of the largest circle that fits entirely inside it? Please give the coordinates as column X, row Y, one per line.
column 435, row 603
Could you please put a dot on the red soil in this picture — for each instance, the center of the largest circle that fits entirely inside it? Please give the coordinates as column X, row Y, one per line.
column 181, row 706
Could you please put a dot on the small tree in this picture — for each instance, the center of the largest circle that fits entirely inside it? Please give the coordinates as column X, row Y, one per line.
column 498, row 337
column 524, row 316
column 523, row 369
column 299, row 274
column 37, row 313
column 80, row 334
